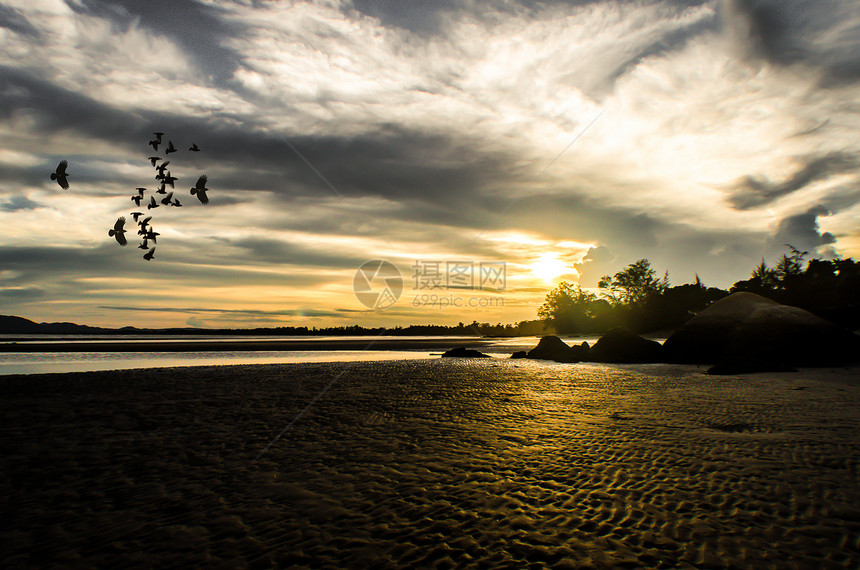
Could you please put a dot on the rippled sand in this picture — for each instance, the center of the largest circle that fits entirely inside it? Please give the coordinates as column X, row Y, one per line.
column 439, row 463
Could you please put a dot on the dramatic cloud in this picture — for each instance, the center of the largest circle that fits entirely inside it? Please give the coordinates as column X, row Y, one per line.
column 566, row 138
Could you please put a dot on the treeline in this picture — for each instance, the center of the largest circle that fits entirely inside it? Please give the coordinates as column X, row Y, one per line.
column 10, row 325
column 636, row 298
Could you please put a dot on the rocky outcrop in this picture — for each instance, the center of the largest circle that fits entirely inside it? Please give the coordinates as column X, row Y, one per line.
column 553, row 348
column 520, row 354
column 745, row 327
column 621, row 345
column 463, row 352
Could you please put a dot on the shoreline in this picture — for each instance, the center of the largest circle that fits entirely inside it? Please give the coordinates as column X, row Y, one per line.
column 166, row 345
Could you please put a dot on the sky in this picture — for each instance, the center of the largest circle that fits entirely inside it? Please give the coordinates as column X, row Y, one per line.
column 484, row 149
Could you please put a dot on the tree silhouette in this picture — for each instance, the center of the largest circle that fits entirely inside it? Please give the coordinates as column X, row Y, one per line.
column 634, row 285
column 569, row 309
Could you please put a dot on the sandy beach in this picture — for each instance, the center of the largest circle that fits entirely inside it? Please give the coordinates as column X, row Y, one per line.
column 432, row 463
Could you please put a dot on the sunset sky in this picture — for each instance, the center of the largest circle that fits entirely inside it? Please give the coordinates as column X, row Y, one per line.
column 563, row 139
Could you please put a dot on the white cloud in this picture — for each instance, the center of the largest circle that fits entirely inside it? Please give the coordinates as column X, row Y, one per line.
column 688, row 112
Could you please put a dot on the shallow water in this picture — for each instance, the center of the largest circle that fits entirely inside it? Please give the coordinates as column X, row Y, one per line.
column 440, row 463
column 58, row 362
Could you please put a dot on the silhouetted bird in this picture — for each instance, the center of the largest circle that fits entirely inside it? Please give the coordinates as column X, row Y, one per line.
column 161, row 168
column 143, row 245
column 154, row 159
column 136, row 215
column 150, row 235
column 143, row 223
column 161, row 189
column 176, row 203
column 200, row 189
column 118, row 231
column 168, row 179
column 170, row 148
column 60, row 175
column 149, row 255
column 136, row 200
column 152, row 203
column 194, row 148
column 167, row 199
column 156, row 141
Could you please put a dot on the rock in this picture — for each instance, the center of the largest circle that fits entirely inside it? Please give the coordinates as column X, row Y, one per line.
column 745, row 327
column 553, row 348
column 748, row 366
column 520, row 354
column 581, row 351
column 621, row 345
column 463, row 352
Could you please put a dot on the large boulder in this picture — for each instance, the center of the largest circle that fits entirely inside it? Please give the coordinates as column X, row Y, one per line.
column 463, row 352
column 553, row 348
column 621, row 345
column 748, row 327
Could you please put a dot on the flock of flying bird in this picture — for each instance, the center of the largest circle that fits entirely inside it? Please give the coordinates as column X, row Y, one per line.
column 165, row 179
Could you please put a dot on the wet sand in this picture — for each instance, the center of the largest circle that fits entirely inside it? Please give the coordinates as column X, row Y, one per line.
column 437, row 463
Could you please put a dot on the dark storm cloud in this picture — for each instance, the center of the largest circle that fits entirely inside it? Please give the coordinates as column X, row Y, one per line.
column 823, row 34
column 801, row 231
column 260, row 250
column 12, row 19
column 428, row 16
column 418, row 15
column 214, row 313
column 755, row 191
column 393, row 162
column 21, row 294
column 56, row 110
column 196, row 27
column 17, row 203
column 70, row 267
column 670, row 41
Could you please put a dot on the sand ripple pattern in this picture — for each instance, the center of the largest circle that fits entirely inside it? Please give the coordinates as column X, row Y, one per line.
column 436, row 464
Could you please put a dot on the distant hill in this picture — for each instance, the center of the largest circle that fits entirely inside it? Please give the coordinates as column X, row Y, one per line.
column 12, row 325
column 18, row 325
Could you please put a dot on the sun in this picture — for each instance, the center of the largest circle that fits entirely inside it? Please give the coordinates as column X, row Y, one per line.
column 549, row 267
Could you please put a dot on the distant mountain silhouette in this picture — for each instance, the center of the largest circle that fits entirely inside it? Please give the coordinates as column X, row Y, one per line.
column 19, row 325
column 10, row 325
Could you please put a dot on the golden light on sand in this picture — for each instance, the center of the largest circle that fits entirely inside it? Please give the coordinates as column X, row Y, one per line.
column 549, row 267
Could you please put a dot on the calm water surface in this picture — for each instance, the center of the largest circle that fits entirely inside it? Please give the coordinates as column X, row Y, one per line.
column 53, row 362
